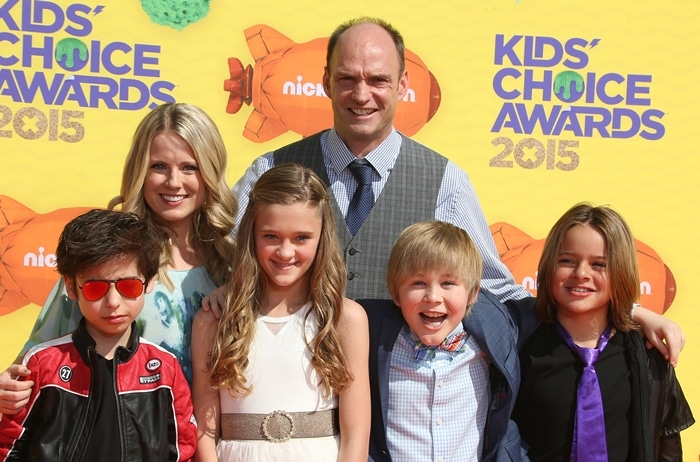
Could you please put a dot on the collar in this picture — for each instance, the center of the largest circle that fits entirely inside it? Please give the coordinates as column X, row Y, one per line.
column 412, row 337
column 86, row 344
column 382, row 158
column 427, row 352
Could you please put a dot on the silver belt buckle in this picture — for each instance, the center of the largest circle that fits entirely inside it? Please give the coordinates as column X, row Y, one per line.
column 278, row 426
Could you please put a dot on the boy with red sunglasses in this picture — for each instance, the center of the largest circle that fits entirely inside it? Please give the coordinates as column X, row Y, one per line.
column 102, row 392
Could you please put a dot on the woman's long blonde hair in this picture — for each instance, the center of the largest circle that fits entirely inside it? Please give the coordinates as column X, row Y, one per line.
column 213, row 222
column 286, row 184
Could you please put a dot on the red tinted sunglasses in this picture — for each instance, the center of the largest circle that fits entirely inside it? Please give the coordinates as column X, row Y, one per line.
column 97, row 288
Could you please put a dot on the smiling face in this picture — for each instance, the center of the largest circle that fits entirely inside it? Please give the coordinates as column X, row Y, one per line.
column 580, row 283
column 364, row 83
column 110, row 316
column 433, row 304
column 286, row 240
column 173, row 187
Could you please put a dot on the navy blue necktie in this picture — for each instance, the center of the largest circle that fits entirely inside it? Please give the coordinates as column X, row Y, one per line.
column 363, row 199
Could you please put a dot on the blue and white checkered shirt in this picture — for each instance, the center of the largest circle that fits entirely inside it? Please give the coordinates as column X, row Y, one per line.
column 457, row 202
column 437, row 408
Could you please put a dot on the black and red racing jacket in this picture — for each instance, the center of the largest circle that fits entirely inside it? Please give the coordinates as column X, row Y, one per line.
column 154, row 405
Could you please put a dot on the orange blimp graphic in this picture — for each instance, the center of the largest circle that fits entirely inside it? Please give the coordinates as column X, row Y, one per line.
column 285, row 88
column 521, row 254
column 27, row 252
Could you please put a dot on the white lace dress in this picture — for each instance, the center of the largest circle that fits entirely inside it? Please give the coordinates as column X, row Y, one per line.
column 282, row 378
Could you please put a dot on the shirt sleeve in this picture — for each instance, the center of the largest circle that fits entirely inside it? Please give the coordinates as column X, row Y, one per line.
column 676, row 414
column 459, row 205
column 59, row 316
column 245, row 184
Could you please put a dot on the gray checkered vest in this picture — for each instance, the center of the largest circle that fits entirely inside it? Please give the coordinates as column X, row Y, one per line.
column 409, row 196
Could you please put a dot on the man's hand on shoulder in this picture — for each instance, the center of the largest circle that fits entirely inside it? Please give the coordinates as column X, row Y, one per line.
column 661, row 333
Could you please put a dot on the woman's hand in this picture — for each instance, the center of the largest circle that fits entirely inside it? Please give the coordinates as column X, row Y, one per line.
column 14, row 393
column 215, row 301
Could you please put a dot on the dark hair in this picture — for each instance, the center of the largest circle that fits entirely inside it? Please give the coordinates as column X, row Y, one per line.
column 395, row 36
column 99, row 236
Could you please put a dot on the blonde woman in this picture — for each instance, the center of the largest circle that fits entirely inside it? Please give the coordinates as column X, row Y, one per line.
column 174, row 176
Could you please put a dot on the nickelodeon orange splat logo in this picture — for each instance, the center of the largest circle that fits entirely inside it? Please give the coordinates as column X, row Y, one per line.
column 27, row 259
column 286, row 88
column 521, row 254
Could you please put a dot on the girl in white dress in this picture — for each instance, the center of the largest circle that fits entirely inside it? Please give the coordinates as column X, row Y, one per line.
column 283, row 376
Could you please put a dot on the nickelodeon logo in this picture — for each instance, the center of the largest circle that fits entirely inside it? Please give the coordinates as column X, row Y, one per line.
column 301, row 88
column 27, row 268
column 39, row 260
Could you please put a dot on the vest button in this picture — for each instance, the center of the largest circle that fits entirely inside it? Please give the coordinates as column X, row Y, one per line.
column 352, row 251
column 351, row 276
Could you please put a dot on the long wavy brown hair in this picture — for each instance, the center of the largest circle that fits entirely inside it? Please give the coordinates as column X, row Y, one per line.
column 287, row 184
column 621, row 256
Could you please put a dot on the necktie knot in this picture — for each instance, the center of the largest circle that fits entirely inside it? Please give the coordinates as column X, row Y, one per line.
column 588, row 355
column 362, row 171
column 454, row 343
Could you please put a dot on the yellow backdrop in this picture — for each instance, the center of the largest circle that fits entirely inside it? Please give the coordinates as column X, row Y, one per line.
column 543, row 103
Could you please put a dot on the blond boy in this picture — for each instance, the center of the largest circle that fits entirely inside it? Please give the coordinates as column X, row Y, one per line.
column 443, row 365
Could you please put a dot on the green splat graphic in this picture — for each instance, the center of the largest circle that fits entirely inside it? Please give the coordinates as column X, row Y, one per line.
column 175, row 13
column 65, row 52
column 563, row 82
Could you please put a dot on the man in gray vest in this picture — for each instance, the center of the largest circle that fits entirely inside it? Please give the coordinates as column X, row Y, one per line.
column 365, row 77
